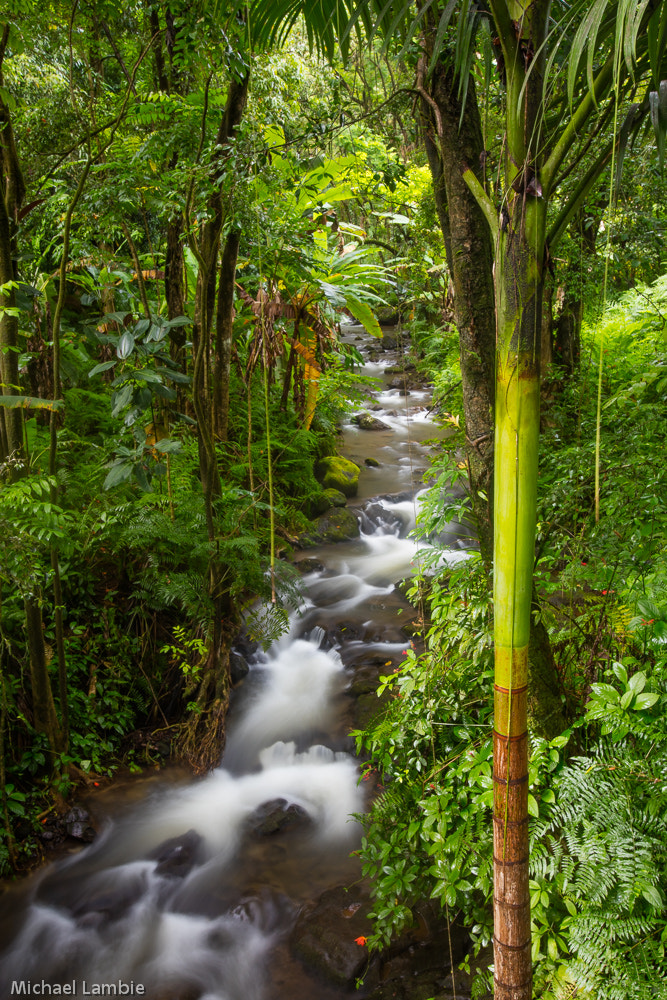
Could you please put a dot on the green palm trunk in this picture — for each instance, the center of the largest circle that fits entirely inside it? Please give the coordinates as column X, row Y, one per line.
column 515, row 491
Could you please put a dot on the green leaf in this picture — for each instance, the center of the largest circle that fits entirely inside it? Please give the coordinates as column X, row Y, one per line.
column 125, row 345
column 637, row 682
column 653, row 896
column 533, row 808
column 620, row 672
column 119, row 472
column 646, row 700
column 364, row 315
column 167, row 446
column 606, row 692
column 626, row 698
column 103, row 367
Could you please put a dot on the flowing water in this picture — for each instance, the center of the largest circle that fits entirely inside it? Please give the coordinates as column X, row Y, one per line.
column 182, row 894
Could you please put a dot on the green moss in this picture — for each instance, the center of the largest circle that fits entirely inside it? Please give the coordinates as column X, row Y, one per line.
column 338, row 473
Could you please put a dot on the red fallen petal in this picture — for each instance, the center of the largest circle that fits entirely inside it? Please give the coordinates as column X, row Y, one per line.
column 360, row 941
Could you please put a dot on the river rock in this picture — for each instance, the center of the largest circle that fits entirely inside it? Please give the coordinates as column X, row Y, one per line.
column 320, row 503
column 334, row 499
column 372, row 463
column 325, row 935
column 337, row 473
column 277, row 816
column 238, row 667
column 338, row 525
column 309, row 565
column 177, row 856
column 366, row 422
column 77, row 824
column 108, row 905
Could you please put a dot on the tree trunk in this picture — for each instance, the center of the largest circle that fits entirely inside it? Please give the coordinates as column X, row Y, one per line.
column 452, row 145
column 568, row 335
column 520, row 241
column 12, row 191
column 45, row 719
column 224, row 322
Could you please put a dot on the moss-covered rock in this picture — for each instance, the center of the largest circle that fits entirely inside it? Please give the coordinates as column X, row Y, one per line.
column 335, row 498
column 338, row 525
column 337, row 473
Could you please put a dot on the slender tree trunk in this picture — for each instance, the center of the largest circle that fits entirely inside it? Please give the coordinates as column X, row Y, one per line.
column 452, row 146
column 45, row 719
column 12, row 191
column 224, row 321
column 11, row 419
column 520, row 241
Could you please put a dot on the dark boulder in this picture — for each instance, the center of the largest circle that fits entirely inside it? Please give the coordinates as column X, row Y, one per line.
column 177, row 856
column 366, row 422
column 77, row 823
column 277, row 816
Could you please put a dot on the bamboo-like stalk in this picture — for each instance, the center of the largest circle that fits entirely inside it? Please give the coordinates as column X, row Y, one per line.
column 516, row 443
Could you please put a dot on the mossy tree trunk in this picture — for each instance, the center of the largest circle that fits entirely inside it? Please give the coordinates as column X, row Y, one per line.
column 12, row 192
column 453, row 144
column 205, row 727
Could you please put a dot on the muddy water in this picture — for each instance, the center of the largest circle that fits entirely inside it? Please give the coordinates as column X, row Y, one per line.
column 185, row 894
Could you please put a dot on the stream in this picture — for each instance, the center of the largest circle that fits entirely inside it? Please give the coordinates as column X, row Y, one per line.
column 196, row 891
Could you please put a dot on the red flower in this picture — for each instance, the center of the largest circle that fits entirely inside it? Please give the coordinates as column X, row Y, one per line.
column 360, row 941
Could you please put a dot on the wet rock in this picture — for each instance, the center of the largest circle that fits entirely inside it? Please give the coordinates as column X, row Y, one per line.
column 343, row 632
column 325, row 934
column 338, row 525
column 177, row 856
column 334, row 499
column 367, row 679
column 372, row 463
column 277, row 816
column 246, row 646
column 319, row 504
column 337, row 473
column 400, row 369
column 309, row 565
column 366, row 422
column 77, row 824
column 238, row 668
column 390, row 340
column 104, row 907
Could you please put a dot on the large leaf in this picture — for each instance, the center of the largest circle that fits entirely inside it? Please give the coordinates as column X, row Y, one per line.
column 119, row 472
column 103, row 367
column 364, row 315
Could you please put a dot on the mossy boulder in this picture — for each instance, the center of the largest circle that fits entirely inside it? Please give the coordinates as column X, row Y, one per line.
column 338, row 525
column 337, row 473
column 335, row 498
